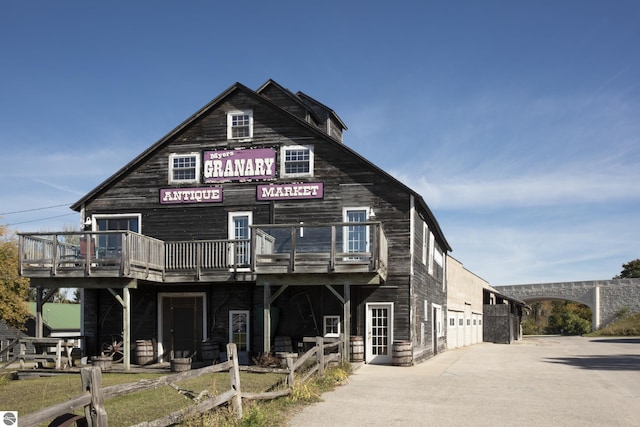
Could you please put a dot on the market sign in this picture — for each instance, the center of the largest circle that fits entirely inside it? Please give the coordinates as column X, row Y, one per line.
column 190, row 195
column 310, row 190
column 237, row 165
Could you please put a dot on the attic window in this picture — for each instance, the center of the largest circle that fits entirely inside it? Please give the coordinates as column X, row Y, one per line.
column 184, row 168
column 297, row 160
column 240, row 125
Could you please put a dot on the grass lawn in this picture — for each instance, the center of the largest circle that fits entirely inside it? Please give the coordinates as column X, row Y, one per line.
column 31, row 395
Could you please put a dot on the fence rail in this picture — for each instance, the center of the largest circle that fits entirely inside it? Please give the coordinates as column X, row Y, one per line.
column 92, row 400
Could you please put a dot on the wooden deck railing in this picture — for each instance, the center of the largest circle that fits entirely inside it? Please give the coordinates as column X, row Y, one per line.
column 271, row 249
column 78, row 254
column 317, row 248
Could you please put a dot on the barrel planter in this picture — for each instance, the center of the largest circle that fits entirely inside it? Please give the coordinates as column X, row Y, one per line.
column 102, row 362
column 283, row 345
column 402, row 353
column 356, row 349
column 180, row 364
column 210, row 350
column 144, row 352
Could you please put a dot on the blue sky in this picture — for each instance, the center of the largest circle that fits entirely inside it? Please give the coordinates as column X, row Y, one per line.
column 518, row 121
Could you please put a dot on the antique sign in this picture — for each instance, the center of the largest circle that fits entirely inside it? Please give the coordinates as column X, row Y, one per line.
column 190, row 195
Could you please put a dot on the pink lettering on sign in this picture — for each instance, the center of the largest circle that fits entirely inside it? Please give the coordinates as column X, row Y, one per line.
column 236, row 165
column 190, row 195
column 311, row 190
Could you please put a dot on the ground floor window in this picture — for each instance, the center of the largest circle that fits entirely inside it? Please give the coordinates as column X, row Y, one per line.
column 331, row 326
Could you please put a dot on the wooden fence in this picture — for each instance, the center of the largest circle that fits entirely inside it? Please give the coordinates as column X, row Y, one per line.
column 92, row 400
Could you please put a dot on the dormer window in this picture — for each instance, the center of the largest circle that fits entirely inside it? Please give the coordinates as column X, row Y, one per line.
column 240, row 125
column 296, row 160
column 184, row 168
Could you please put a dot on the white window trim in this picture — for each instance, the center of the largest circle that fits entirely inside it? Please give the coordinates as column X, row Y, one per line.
column 231, row 232
column 438, row 320
column 425, row 243
column 431, row 244
column 248, row 314
column 283, row 150
column 96, row 217
column 230, row 114
column 345, row 235
column 173, row 180
column 324, row 326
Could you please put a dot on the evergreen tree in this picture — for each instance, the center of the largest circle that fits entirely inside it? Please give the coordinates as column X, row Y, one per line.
column 630, row 270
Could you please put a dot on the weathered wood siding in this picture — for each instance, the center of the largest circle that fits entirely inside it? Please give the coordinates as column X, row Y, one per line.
column 349, row 181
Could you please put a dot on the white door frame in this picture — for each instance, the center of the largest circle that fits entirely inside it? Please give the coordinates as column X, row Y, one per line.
column 386, row 356
column 231, row 233
column 345, row 218
column 248, row 326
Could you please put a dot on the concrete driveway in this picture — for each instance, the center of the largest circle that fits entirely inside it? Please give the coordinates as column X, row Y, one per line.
column 540, row 381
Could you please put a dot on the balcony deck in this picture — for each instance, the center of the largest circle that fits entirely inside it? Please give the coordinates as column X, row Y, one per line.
column 271, row 249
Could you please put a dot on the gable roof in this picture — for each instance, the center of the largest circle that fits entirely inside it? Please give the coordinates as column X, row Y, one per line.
column 332, row 113
column 77, row 206
column 272, row 83
column 59, row 317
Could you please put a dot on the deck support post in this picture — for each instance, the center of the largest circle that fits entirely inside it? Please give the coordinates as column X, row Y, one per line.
column 125, row 302
column 126, row 328
column 266, row 313
column 347, row 321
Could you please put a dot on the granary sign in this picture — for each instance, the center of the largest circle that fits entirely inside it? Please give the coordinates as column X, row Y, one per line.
column 307, row 190
column 190, row 195
column 237, row 165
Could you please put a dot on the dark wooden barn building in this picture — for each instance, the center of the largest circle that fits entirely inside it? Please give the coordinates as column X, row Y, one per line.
column 251, row 222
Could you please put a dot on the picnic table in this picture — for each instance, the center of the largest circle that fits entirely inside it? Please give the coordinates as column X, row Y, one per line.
column 60, row 355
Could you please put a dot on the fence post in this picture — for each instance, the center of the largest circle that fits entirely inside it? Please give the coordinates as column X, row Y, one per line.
column 291, row 367
column 234, row 377
column 95, row 413
column 320, row 355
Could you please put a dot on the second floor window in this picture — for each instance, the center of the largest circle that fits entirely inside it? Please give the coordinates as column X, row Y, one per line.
column 297, row 160
column 240, row 125
column 183, row 168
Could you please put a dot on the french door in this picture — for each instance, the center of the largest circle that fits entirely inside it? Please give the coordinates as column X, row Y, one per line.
column 239, row 329
column 356, row 237
column 240, row 233
column 379, row 333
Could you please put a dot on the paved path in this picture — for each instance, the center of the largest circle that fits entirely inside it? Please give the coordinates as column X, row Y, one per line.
column 540, row 381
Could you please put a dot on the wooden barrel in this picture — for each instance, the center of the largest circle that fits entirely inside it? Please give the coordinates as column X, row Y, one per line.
column 180, row 365
column 356, row 348
column 102, row 362
column 210, row 350
column 144, row 352
column 283, row 345
column 282, row 358
column 402, row 353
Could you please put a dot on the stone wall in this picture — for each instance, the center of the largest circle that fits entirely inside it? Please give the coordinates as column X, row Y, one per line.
column 606, row 298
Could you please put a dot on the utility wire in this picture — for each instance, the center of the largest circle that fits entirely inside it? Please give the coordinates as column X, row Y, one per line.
column 41, row 219
column 34, row 209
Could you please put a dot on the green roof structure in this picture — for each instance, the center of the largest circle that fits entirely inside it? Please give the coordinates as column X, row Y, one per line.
column 59, row 317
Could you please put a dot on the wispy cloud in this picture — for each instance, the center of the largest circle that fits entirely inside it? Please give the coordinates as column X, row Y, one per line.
column 561, row 187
